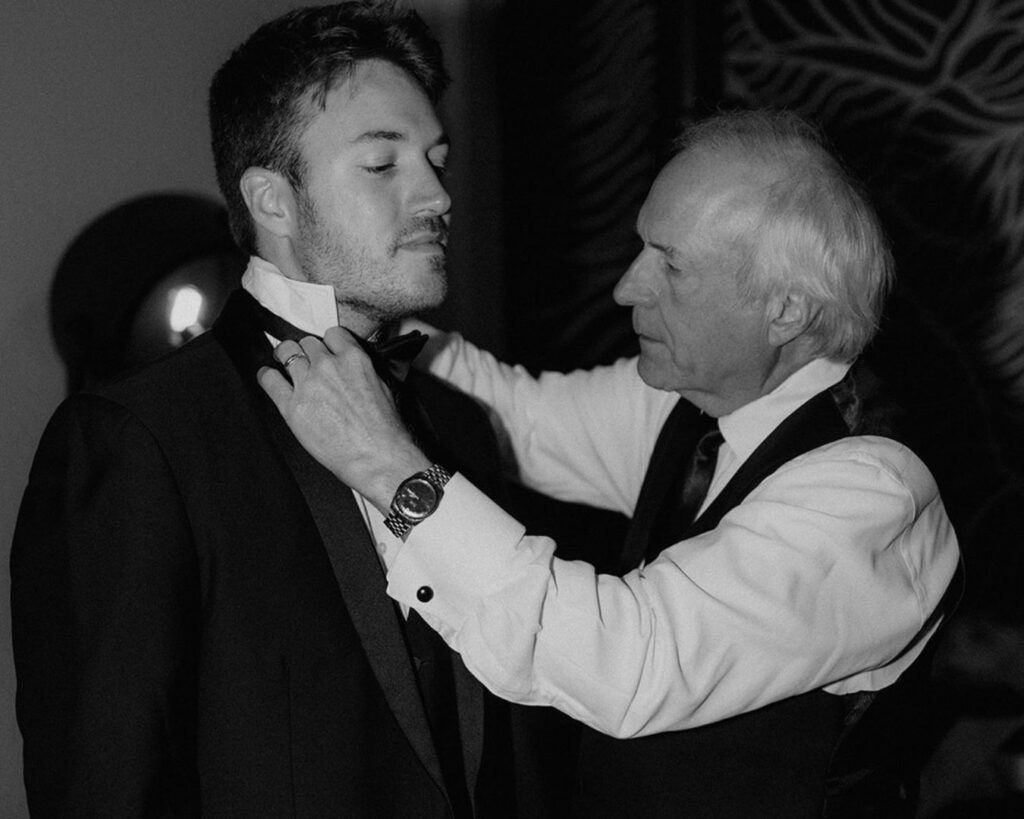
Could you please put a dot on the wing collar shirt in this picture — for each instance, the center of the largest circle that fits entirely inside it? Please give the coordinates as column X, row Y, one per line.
column 824, row 577
column 313, row 308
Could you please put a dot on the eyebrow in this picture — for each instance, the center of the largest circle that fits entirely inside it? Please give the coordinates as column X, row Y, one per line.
column 668, row 250
column 393, row 136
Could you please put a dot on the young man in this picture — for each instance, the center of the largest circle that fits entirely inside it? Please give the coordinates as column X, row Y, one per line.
column 200, row 618
column 764, row 651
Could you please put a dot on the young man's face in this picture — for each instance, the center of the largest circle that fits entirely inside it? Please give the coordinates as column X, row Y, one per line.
column 373, row 215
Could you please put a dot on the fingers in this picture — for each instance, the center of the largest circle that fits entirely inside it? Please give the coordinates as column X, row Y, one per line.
column 338, row 340
column 346, row 350
column 296, row 357
column 312, row 365
column 274, row 385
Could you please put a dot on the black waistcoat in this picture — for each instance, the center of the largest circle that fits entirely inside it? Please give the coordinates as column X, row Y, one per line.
column 813, row 755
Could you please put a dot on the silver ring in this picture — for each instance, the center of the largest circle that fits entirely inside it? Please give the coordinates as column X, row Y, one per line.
column 292, row 357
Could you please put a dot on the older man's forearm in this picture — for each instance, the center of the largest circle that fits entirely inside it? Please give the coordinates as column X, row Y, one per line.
column 687, row 640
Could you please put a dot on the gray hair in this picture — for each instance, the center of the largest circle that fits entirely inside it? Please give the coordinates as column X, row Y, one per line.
column 815, row 234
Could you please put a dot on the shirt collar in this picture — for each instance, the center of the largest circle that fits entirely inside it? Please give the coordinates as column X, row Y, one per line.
column 310, row 307
column 746, row 428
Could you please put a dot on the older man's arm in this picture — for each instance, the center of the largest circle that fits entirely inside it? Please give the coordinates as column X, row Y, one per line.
column 557, row 425
column 781, row 598
column 725, row 623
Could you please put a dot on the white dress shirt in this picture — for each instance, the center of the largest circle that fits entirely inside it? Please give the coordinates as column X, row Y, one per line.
column 823, row 577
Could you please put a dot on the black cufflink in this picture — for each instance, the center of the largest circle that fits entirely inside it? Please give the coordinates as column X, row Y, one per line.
column 424, row 594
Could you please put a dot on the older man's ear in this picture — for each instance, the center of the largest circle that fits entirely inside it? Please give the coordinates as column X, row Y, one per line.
column 788, row 317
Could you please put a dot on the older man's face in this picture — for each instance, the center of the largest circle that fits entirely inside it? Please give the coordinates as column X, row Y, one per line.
column 697, row 336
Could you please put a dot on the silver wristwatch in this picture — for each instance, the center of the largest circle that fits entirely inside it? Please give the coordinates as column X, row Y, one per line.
column 416, row 499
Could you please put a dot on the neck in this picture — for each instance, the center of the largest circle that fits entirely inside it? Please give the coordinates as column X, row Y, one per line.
column 716, row 404
column 357, row 322
column 288, row 265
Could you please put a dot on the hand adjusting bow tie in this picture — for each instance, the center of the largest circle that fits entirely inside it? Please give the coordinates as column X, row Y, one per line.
column 391, row 357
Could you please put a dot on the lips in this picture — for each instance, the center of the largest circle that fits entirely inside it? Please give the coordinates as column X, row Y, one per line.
column 424, row 241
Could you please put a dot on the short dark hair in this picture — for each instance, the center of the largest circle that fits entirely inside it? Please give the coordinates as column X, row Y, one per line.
column 264, row 95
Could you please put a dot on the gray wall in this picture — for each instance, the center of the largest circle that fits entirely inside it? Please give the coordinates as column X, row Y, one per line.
column 104, row 100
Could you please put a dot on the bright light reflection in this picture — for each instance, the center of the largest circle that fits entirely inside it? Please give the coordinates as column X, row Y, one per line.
column 186, row 307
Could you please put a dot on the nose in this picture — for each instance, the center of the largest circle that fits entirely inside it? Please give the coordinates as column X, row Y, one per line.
column 431, row 198
column 633, row 288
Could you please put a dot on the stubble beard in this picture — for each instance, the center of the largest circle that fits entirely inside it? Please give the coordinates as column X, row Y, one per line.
column 366, row 283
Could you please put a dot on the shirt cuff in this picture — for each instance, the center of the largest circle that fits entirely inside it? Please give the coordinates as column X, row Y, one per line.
column 465, row 551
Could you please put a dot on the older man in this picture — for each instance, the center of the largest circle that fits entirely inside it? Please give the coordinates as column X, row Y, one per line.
column 764, row 651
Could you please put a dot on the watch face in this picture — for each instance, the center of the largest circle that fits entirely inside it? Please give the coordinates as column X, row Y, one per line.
column 416, row 499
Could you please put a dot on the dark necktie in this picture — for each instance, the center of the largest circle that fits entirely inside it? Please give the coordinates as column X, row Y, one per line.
column 686, row 495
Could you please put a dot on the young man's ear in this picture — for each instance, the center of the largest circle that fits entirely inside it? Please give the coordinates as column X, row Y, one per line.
column 271, row 201
column 788, row 317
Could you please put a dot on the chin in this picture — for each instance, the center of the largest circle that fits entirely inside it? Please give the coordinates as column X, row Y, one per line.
column 431, row 295
column 432, row 288
column 414, row 300
column 656, row 375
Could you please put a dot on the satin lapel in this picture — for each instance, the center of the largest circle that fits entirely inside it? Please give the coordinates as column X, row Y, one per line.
column 350, row 550
column 469, row 698
column 468, row 691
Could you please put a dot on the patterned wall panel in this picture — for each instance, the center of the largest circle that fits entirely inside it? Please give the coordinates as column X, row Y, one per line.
column 925, row 100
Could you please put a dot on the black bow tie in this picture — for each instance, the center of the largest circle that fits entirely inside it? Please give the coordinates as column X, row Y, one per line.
column 391, row 357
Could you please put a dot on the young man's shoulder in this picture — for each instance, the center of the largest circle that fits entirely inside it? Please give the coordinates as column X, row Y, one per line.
column 199, row 370
column 195, row 386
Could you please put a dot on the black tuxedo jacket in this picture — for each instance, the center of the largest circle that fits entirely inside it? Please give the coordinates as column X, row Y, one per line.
column 199, row 616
